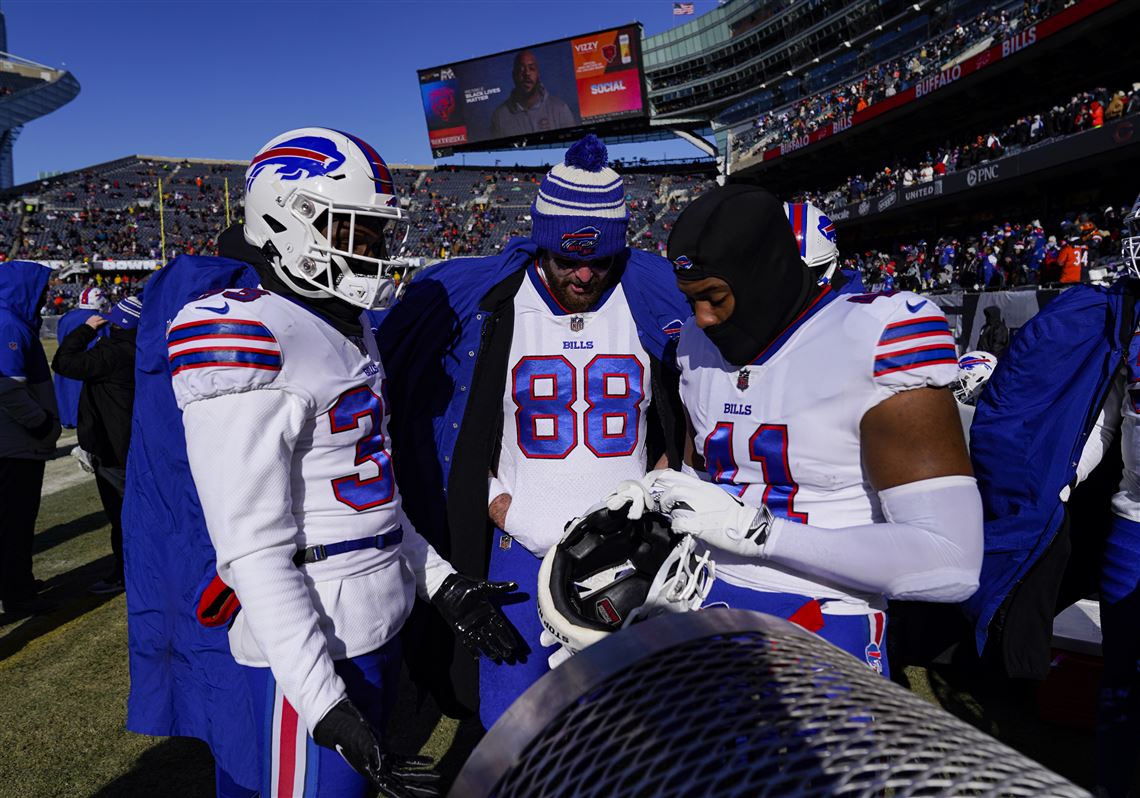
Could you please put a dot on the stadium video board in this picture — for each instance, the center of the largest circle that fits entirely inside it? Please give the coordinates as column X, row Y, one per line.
column 580, row 81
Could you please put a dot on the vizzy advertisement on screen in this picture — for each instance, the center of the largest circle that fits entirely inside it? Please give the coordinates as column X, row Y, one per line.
column 574, row 82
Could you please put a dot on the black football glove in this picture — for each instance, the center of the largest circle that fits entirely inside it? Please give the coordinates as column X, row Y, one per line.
column 465, row 603
column 344, row 730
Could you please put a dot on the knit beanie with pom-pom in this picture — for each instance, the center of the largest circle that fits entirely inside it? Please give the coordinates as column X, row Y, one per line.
column 580, row 210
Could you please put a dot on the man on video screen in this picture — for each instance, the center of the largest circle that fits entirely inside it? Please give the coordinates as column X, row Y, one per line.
column 530, row 108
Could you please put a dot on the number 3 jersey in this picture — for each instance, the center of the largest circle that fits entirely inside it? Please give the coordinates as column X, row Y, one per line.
column 574, row 410
column 286, row 435
column 784, row 430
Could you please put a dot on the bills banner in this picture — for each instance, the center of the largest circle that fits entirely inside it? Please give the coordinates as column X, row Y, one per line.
column 580, row 81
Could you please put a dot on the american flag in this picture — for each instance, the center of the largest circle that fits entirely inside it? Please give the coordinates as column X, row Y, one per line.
column 682, row 9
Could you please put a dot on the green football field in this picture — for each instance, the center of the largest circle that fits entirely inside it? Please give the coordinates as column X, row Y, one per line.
column 65, row 682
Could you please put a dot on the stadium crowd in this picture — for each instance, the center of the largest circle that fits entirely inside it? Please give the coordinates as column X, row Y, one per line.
column 456, row 212
column 883, row 80
column 1084, row 111
column 1006, row 255
column 63, row 295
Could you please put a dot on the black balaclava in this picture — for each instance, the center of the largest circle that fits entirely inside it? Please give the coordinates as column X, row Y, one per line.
column 344, row 318
column 741, row 234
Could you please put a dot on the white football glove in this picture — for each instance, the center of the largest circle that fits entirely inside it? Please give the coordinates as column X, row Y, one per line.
column 713, row 515
column 546, row 639
column 636, row 494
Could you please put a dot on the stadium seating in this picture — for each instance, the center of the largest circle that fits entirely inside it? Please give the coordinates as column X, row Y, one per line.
column 903, row 56
column 109, row 212
column 1081, row 112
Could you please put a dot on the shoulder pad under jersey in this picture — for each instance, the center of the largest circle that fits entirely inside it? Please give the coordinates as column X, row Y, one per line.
column 915, row 347
column 220, row 344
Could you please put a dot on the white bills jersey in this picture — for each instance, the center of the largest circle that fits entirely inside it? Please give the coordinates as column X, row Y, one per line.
column 286, row 436
column 784, row 430
column 574, row 410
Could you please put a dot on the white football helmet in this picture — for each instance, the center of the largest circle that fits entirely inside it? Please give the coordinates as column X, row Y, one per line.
column 1130, row 240
column 322, row 206
column 815, row 236
column 92, row 298
column 974, row 369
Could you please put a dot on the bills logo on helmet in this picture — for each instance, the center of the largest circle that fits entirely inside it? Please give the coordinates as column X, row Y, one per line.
column 971, row 362
column 826, row 228
column 682, row 263
column 582, row 241
column 305, row 156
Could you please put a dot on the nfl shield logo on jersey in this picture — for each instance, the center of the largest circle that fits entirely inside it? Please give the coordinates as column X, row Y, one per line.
column 742, row 380
column 577, row 323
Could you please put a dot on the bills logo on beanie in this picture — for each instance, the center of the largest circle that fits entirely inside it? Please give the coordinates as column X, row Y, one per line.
column 583, row 241
column 580, row 210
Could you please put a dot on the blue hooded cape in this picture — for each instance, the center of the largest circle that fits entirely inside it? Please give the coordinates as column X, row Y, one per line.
column 1031, row 425
column 183, row 679
column 22, row 283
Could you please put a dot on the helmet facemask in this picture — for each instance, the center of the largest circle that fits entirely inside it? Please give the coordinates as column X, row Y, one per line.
column 609, row 572
column 1130, row 240
column 823, row 272
column 346, row 250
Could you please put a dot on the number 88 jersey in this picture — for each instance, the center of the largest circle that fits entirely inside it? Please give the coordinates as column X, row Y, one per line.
column 577, row 394
column 785, row 429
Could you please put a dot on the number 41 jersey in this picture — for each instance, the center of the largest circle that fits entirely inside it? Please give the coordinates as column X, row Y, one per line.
column 784, row 430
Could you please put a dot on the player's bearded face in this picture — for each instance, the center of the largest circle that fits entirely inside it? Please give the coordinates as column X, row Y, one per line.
column 577, row 284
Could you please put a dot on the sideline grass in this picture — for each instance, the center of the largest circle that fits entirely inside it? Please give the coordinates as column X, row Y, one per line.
column 65, row 678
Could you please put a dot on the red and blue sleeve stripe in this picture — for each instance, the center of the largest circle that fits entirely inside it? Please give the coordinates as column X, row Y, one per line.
column 239, row 356
column 914, row 328
column 916, row 358
column 231, row 328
